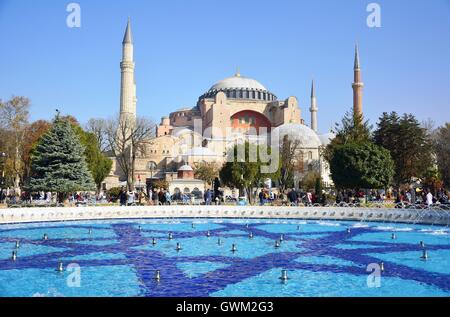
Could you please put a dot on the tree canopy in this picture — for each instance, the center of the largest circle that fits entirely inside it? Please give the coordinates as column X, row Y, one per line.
column 408, row 143
column 58, row 164
column 244, row 172
column 361, row 165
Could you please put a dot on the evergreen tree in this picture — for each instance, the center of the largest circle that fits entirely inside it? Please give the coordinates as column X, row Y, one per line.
column 408, row 143
column 352, row 129
column 58, row 164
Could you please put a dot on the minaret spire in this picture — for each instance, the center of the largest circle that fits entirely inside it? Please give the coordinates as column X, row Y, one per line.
column 357, row 85
column 357, row 64
column 128, row 37
column 128, row 86
column 313, row 108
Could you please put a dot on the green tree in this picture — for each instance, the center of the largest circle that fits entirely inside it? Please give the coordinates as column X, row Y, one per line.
column 244, row 172
column 352, row 129
column 98, row 163
column 442, row 149
column 58, row 164
column 409, row 144
column 318, row 188
column 361, row 165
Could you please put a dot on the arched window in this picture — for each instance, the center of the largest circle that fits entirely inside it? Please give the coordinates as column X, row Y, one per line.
column 310, row 155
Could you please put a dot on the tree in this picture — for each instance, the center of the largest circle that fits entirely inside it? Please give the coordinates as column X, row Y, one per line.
column 98, row 163
column 361, row 165
column 243, row 169
column 291, row 161
column 352, row 129
column 161, row 183
column 126, row 139
column 98, row 127
column 442, row 149
column 58, row 164
column 33, row 134
column 318, row 188
column 409, row 144
column 309, row 180
column 14, row 116
column 207, row 171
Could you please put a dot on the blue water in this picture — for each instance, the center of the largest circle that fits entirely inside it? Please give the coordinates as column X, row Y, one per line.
column 117, row 258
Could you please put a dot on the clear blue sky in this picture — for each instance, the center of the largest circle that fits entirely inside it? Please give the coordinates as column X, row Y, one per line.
column 182, row 47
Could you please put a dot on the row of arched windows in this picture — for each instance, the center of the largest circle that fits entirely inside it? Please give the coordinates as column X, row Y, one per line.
column 244, row 94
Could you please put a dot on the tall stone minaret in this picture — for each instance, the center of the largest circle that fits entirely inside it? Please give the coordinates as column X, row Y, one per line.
column 128, row 85
column 313, row 108
column 357, row 85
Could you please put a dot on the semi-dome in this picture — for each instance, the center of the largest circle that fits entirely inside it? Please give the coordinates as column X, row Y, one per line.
column 240, row 87
column 296, row 131
column 327, row 138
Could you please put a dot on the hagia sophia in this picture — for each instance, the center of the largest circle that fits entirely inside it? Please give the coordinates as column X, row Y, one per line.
column 233, row 109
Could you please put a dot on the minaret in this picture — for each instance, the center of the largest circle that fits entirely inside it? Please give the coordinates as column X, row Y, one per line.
column 313, row 108
column 357, row 86
column 128, row 85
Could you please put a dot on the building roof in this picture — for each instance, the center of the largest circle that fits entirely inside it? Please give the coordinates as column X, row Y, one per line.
column 185, row 168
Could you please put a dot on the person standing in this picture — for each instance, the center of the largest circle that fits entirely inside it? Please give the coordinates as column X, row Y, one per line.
column 122, row 197
column 429, row 199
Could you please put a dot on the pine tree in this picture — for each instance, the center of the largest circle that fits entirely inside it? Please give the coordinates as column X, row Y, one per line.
column 58, row 164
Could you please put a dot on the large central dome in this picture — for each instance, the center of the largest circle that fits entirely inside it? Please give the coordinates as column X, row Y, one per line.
column 238, row 82
column 239, row 87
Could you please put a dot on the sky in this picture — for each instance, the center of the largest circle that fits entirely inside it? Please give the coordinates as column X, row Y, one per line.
column 183, row 47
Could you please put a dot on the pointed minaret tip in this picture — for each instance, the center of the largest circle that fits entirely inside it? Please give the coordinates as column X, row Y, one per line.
column 357, row 64
column 128, row 38
column 313, row 90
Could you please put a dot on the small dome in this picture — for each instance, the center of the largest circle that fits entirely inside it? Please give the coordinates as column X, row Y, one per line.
column 185, row 168
column 301, row 132
column 238, row 82
column 326, row 138
column 179, row 131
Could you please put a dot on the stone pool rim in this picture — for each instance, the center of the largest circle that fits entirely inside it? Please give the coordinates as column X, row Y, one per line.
column 226, row 212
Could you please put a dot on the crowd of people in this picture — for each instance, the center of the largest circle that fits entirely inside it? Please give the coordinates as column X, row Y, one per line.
column 215, row 196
